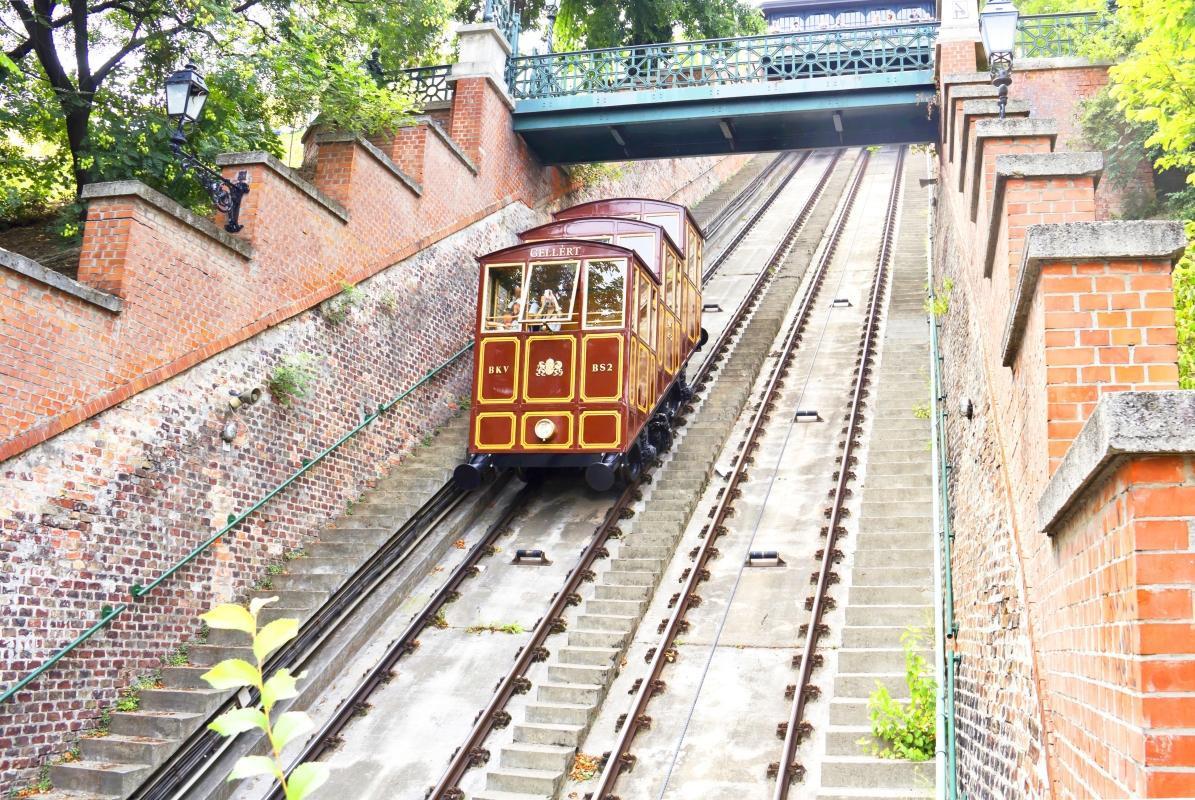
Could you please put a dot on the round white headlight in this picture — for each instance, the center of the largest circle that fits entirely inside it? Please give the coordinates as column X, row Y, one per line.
column 544, row 429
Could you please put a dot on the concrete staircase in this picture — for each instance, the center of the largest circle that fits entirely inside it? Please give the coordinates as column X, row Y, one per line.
column 536, row 763
column 891, row 581
column 113, row 766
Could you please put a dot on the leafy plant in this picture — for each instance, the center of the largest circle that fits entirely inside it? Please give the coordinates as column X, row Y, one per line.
column 237, row 673
column 179, row 658
column 907, row 729
column 336, row 309
column 921, row 411
column 1184, row 310
column 439, row 620
column 130, row 696
column 938, row 302
column 589, row 175
column 389, row 302
column 292, row 377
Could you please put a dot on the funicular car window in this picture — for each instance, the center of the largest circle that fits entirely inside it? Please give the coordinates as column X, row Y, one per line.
column 504, row 297
column 605, row 293
column 669, row 222
column 551, row 290
column 645, row 246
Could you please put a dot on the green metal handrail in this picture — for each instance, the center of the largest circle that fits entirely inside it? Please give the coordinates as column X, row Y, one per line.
column 1055, row 35
column 947, row 535
column 109, row 613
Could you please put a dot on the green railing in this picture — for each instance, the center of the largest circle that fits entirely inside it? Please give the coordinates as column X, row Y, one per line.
column 1053, row 35
column 109, row 613
column 946, row 534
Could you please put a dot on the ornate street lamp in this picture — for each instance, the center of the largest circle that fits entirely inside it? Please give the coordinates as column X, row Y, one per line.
column 998, row 27
column 186, row 94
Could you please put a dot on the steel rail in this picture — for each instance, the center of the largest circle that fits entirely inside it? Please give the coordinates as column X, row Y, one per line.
column 471, row 753
column 326, row 737
column 737, row 202
column 741, row 234
column 663, row 653
column 199, row 751
column 788, row 769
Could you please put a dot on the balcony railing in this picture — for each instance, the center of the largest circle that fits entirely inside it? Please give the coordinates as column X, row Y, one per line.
column 749, row 59
column 1053, row 35
column 428, row 84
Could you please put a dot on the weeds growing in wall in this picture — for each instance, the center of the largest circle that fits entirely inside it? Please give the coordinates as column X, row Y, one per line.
column 906, row 729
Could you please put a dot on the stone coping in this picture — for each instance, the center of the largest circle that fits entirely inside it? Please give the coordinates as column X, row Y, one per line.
column 35, row 271
column 1034, row 165
column 500, row 88
column 96, row 191
column 1083, row 241
column 1007, row 128
column 1124, row 425
column 952, row 78
column 286, row 173
column 965, row 92
column 982, row 108
column 439, row 131
column 333, row 137
column 1056, row 62
column 485, row 28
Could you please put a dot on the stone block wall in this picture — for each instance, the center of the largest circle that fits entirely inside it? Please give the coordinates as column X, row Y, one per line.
column 1072, row 551
column 112, row 464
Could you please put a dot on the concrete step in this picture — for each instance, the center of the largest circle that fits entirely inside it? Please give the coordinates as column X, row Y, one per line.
column 530, row 781
column 547, row 757
column 580, row 637
column 579, row 694
column 622, row 564
column 560, row 713
column 849, row 711
column 885, row 523
column 589, row 674
column 893, row 557
column 200, row 701
column 292, row 599
column 323, row 582
column 208, row 655
column 609, row 591
column 493, row 794
column 624, row 578
column 867, row 773
column 595, row 656
column 636, row 550
column 893, row 576
column 870, row 636
column 875, row 659
column 324, row 566
column 897, row 508
column 846, row 741
column 155, row 724
column 884, row 616
column 606, row 622
column 356, row 551
column 887, row 494
column 618, row 608
column 890, row 595
column 895, row 541
column 184, row 677
column 859, row 686
column 370, row 536
column 549, row 733
column 125, row 749
column 101, row 777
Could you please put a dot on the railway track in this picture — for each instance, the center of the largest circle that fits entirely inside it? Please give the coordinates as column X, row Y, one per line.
column 187, row 772
column 665, row 650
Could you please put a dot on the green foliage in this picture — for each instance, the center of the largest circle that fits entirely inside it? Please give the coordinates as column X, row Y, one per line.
column 179, row 658
column 921, row 411
column 1184, row 306
column 1027, row 7
column 130, row 696
column 292, row 377
column 93, row 112
column 236, row 673
column 589, row 175
column 439, row 620
column 583, row 24
column 336, row 309
column 907, row 728
column 496, row 627
column 938, row 302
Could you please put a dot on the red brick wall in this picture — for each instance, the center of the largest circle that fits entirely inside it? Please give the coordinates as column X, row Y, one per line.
column 1058, row 635
column 145, row 477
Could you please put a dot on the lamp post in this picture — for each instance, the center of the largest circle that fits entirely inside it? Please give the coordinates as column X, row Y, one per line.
column 186, row 94
column 998, row 27
column 552, row 10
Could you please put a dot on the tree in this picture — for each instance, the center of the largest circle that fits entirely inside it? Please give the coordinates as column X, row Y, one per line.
column 82, row 103
column 585, row 24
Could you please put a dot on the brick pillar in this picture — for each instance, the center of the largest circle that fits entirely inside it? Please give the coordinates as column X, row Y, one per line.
column 483, row 61
column 468, row 115
column 106, row 237
column 958, row 56
column 334, row 169
column 998, row 137
column 1108, row 309
column 407, row 148
column 1116, row 600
